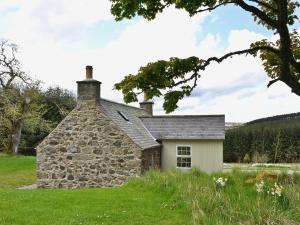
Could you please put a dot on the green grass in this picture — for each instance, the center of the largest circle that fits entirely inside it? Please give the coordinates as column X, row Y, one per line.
column 157, row 198
column 129, row 204
column 124, row 205
column 16, row 171
column 236, row 203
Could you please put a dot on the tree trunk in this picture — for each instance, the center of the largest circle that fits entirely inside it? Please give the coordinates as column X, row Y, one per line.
column 277, row 146
column 16, row 136
column 17, row 128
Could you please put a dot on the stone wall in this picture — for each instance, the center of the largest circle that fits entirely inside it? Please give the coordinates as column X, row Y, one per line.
column 151, row 159
column 87, row 150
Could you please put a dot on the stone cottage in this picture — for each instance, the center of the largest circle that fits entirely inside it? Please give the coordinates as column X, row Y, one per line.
column 103, row 143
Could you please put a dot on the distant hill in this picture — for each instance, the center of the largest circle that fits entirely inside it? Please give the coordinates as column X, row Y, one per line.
column 283, row 117
column 231, row 125
column 271, row 139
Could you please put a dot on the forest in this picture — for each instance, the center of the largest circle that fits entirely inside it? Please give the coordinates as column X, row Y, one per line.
column 273, row 139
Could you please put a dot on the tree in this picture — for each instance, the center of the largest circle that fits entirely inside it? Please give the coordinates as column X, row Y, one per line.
column 17, row 93
column 54, row 104
column 10, row 67
column 176, row 78
column 19, row 104
column 58, row 103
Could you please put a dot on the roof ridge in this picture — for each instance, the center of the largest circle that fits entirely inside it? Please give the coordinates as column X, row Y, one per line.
column 170, row 116
column 123, row 104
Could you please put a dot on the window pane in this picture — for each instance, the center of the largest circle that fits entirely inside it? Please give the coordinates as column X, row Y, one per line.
column 184, row 162
column 183, row 150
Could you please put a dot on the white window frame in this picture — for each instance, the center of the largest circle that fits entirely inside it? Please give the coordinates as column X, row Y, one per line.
column 190, row 156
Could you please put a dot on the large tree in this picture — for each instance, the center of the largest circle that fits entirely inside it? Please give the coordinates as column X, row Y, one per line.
column 17, row 94
column 176, row 78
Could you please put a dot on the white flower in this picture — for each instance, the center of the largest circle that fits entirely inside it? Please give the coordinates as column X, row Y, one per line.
column 221, row 182
column 260, row 186
column 276, row 190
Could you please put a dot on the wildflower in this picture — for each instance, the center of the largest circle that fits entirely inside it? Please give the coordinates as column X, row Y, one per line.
column 260, row 186
column 220, row 182
column 277, row 190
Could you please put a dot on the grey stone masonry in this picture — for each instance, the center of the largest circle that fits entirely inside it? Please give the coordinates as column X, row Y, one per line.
column 87, row 149
column 147, row 106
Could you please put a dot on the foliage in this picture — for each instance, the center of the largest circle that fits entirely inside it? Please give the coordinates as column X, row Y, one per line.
column 176, row 78
column 276, row 140
column 55, row 104
column 20, row 103
column 27, row 114
column 18, row 93
column 47, row 109
column 58, row 103
column 246, row 158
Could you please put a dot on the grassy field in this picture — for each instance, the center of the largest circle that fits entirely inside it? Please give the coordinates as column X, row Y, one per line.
column 157, row 198
column 16, row 171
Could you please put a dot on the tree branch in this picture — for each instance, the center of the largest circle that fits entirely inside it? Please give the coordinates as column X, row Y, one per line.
column 264, row 5
column 272, row 82
column 10, row 65
column 260, row 14
column 230, row 54
column 207, row 62
column 212, row 8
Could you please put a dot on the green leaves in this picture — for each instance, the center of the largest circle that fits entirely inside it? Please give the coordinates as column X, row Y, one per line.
column 272, row 61
column 159, row 78
column 148, row 9
column 171, row 100
column 129, row 8
column 176, row 78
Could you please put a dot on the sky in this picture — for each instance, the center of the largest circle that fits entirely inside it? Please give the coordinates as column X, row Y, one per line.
column 58, row 38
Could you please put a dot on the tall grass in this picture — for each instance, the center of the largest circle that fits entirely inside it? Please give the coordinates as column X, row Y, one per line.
column 236, row 203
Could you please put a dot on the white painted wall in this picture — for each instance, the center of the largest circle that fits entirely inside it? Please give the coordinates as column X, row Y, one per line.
column 207, row 155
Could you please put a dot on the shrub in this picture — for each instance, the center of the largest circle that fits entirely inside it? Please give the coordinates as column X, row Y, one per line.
column 246, row 158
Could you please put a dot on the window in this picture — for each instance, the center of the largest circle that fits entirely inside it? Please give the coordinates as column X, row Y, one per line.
column 184, row 159
column 123, row 115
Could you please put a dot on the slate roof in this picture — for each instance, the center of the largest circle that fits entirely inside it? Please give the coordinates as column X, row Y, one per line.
column 134, row 128
column 186, row 127
column 145, row 129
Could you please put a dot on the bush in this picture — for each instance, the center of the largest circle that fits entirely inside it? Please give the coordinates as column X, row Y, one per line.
column 246, row 158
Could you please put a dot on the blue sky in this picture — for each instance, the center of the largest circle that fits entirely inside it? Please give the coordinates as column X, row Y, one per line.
column 57, row 38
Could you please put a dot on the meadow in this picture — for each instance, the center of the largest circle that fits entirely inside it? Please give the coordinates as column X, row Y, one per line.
column 156, row 198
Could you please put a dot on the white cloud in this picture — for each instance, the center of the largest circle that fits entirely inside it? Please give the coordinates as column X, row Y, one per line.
column 54, row 19
column 52, row 36
column 140, row 43
column 238, row 87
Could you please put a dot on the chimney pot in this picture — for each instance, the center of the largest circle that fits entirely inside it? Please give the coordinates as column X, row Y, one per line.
column 88, row 90
column 89, row 72
column 147, row 105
